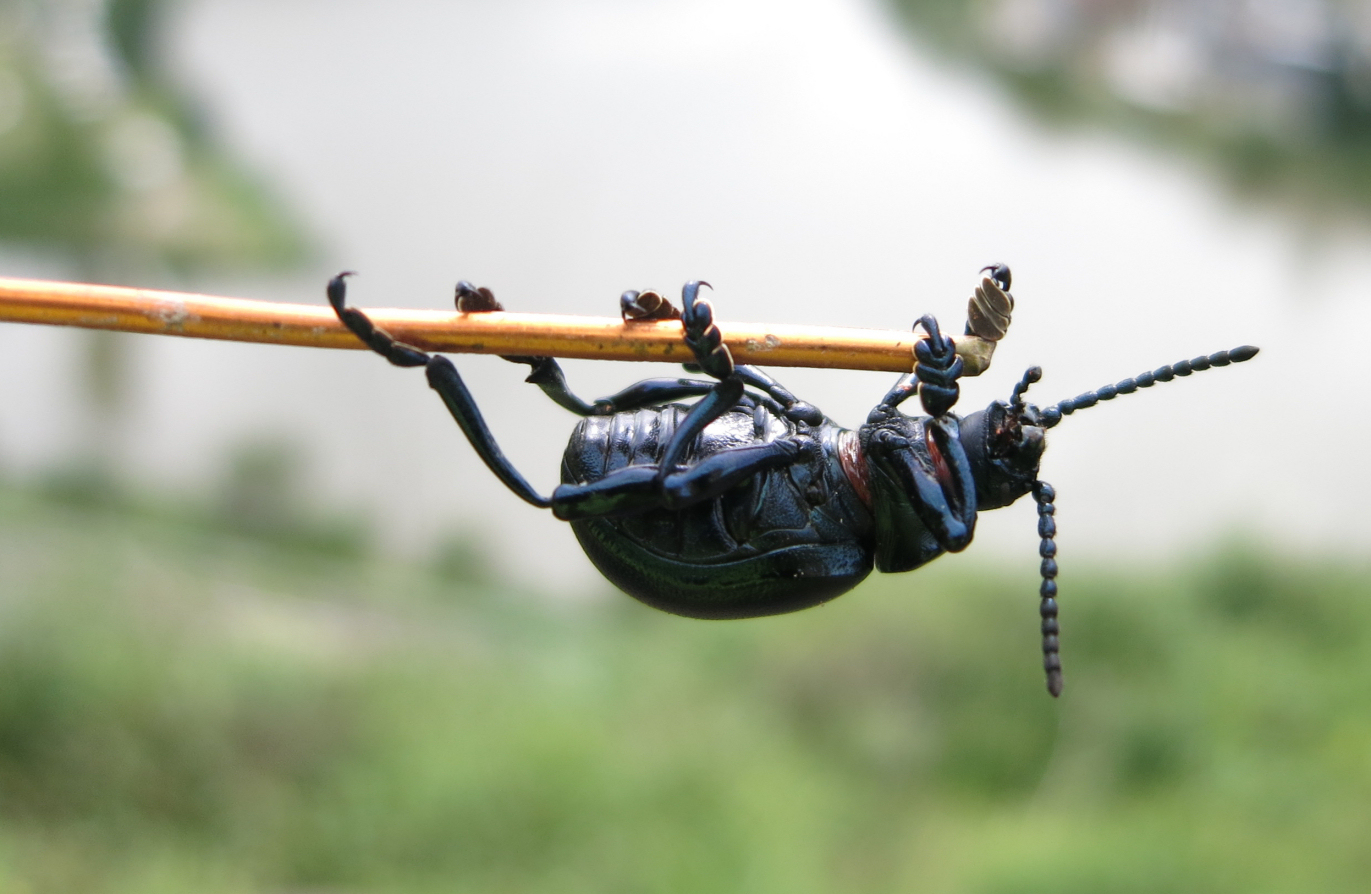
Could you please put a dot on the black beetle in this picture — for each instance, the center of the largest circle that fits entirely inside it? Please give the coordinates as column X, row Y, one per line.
column 752, row 502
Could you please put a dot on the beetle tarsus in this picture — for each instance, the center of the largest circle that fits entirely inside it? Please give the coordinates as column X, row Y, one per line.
column 379, row 340
column 472, row 300
column 937, row 367
column 991, row 307
column 646, row 306
column 1000, row 274
column 936, row 370
column 702, row 336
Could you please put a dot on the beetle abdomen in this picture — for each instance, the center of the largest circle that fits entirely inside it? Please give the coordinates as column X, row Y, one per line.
column 769, row 583
column 785, row 539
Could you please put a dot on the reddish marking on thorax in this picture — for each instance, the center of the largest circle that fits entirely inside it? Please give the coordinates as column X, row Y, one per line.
column 940, row 468
column 854, row 465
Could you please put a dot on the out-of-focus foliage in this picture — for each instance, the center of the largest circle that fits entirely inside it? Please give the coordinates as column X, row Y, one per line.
column 1278, row 93
column 187, row 711
column 103, row 157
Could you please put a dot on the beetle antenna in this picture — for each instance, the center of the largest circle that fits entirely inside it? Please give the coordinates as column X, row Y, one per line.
column 1053, row 414
column 1043, row 495
column 1031, row 375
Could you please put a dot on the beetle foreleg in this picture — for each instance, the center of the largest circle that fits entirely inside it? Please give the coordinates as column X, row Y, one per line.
column 936, row 371
column 937, row 367
column 943, row 497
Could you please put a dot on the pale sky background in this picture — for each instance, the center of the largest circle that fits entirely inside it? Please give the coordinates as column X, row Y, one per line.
column 816, row 168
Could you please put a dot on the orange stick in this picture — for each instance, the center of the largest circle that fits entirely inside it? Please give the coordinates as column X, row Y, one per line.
column 550, row 335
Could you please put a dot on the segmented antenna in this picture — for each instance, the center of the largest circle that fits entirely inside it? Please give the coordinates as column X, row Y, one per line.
column 1043, row 495
column 1053, row 415
column 1031, row 375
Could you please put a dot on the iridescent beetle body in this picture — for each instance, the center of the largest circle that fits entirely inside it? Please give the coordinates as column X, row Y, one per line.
column 752, row 502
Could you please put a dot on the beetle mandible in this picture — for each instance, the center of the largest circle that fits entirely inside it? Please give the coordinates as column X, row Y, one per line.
column 752, row 502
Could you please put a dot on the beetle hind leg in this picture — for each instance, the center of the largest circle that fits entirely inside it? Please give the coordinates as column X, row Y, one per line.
column 443, row 378
column 379, row 340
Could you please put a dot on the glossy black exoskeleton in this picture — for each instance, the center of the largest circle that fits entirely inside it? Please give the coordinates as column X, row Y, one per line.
column 752, row 502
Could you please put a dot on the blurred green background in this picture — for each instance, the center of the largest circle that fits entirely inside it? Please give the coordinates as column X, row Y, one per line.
column 243, row 684
column 188, row 706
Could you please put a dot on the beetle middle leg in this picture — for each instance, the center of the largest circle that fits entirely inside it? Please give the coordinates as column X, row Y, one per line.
column 443, row 378
column 650, row 306
column 636, row 307
column 667, row 484
column 636, row 489
column 712, row 357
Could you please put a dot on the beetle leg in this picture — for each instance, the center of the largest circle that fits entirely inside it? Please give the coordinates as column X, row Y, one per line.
column 702, row 336
column 720, row 399
column 936, row 371
column 943, row 496
column 379, row 340
column 792, row 407
column 705, row 341
column 639, row 307
column 547, row 374
column 636, row 489
column 656, row 392
column 443, row 378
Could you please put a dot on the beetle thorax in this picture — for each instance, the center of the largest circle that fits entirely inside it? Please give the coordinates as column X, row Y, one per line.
column 892, row 445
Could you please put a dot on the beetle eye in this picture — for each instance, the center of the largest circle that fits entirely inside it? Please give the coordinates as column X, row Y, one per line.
column 1002, row 440
column 1006, row 432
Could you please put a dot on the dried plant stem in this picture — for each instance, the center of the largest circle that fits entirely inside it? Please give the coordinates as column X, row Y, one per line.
column 604, row 338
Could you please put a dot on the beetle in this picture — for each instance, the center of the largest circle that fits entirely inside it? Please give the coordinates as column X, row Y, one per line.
column 752, row 502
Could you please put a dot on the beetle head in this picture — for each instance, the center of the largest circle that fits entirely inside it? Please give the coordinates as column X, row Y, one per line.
column 1004, row 444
